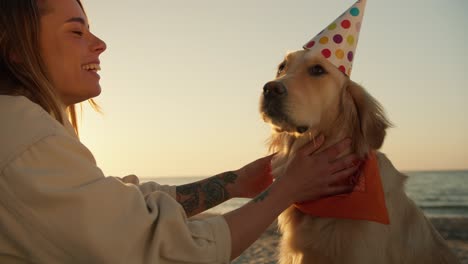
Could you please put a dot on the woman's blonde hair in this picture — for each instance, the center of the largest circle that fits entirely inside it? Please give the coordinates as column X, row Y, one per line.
column 22, row 68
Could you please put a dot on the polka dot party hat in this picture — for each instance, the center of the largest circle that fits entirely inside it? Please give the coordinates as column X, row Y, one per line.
column 338, row 41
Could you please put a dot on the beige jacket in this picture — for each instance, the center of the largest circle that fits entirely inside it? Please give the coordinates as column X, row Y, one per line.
column 56, row 205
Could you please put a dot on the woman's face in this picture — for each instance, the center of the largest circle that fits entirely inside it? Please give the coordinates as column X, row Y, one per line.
column 70, row 51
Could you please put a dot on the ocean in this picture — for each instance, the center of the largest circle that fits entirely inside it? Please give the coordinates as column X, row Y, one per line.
column 437, row 193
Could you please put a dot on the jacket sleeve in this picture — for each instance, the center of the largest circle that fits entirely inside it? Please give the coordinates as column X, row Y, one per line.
column 57, row 191
column 150, row 186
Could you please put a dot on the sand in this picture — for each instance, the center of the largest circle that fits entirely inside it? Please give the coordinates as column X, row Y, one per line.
column 454, row 230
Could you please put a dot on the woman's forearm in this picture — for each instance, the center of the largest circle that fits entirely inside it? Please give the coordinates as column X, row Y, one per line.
column 202, row 195
column 248, row 222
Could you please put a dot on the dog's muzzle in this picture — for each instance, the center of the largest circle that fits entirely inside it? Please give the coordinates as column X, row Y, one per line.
column 273, row 107
column 272, row 104
column 274, row 89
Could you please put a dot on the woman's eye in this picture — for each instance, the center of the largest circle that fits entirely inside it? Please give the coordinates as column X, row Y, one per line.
column 316, row 70
column 79, row 33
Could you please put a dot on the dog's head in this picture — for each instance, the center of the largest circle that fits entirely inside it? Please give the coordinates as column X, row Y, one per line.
column 311, row 94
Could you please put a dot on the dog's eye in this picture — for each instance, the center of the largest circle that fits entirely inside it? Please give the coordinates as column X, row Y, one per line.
column 316, row 70
column 281, row 68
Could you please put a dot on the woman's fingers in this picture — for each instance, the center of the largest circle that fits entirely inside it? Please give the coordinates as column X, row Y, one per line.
column 312, row 175
column 335, row 150
column 344, row 163
column 340, row 183
column 335, row 190
column 343, row 176
column 312, row 146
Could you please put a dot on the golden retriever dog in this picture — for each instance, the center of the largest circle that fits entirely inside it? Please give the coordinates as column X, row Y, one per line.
column 311, row 96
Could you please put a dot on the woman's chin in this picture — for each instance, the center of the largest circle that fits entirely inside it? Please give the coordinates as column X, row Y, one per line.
column 94, row 92
column 97, row 92
column 83, row 97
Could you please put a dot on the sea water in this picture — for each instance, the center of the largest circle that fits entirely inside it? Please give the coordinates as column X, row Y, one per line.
column 437, row 193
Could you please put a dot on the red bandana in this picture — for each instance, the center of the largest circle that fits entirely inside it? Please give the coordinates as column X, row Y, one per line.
column 366, row 202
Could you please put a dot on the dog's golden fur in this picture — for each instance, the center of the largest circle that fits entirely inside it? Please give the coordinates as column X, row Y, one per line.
column 328, row 102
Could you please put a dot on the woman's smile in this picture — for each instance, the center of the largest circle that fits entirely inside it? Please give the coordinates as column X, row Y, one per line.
column 92, row 68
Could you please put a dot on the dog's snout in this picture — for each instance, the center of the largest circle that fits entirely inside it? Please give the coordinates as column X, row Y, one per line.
column 274, row 89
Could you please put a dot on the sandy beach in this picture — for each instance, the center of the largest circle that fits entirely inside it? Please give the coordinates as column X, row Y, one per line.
column 454, row 230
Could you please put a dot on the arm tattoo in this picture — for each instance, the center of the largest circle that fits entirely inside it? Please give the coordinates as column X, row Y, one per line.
column 190, row 194
column 203, row 195
column 261, row 196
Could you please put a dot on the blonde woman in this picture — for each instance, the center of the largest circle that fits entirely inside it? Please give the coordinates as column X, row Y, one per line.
column 56, row 205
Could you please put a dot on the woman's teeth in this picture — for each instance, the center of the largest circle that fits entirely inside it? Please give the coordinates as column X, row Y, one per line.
column 92, row 67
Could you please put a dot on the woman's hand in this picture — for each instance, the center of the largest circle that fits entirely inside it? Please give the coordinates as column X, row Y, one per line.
column 253, row 178
column 310, row 175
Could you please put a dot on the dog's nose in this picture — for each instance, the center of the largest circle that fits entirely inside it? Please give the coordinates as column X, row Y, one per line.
column 274, row 89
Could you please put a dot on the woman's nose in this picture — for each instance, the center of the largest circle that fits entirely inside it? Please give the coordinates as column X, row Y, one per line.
column 98, row 45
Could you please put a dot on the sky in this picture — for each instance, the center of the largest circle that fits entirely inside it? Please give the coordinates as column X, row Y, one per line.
column 181, row 80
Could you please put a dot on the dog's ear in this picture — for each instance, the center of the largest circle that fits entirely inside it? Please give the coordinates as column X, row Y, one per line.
column 369, row 118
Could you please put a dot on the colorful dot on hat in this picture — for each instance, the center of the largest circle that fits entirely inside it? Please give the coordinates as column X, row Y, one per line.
column 350, row 56
column 337, row 38
column 339, row 54
column 310, row 44
column 323, row 40
column 342, row 68
column 326, row 53
column 332, row 26
column 349, row 71
column 345, row 23
column 354, row 11
column 350, row 39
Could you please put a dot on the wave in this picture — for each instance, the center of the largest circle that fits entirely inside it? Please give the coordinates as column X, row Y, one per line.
column 445, row 210
column 448, row 207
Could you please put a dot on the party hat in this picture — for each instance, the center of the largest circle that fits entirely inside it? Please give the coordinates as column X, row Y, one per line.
column 338, row 41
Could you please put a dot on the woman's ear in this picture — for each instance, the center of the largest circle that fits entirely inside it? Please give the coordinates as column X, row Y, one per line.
column 371, row 119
